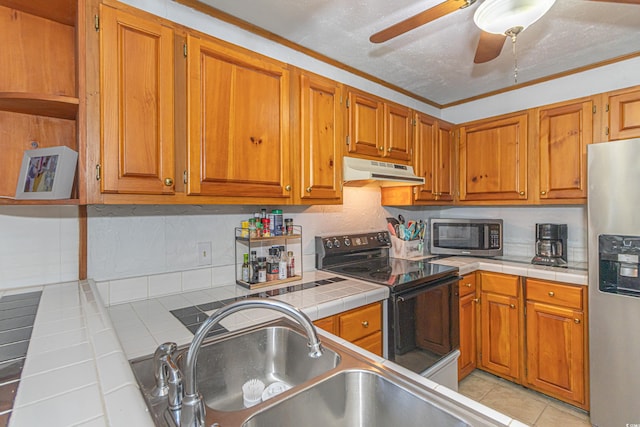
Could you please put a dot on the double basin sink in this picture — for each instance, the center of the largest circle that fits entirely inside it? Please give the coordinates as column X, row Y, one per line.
column 340, row 388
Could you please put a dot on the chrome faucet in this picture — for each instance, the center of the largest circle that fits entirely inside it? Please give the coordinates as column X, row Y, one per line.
column 188, row 410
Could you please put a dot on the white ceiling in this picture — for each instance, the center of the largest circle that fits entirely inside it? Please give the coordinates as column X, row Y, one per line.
column 435, row 62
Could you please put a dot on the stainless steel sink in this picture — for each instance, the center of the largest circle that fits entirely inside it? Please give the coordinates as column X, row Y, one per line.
column 355, row 398
column 276, row 353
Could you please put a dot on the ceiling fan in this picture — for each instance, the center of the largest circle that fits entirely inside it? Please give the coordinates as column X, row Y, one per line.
column 496, row 19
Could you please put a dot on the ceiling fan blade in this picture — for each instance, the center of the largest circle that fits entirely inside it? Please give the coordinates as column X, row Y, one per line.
column 489, row 47
column 415, row 21
column 621, row 1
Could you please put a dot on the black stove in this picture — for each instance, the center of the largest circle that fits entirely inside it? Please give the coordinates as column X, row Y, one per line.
column 365, row 256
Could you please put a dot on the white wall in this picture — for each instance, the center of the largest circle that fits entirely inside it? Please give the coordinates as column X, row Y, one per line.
column 38, row 245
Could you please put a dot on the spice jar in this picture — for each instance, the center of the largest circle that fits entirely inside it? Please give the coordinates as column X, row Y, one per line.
column 288, row 224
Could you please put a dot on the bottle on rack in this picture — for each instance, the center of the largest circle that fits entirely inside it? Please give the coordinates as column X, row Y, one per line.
column 262, row 269
column 253, row 268
column 291, row 265
column 273, row 265
column 282, row 264
column 277, row 222
column 245, row 268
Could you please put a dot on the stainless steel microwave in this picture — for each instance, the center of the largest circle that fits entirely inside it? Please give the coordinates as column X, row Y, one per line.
column 476, row 237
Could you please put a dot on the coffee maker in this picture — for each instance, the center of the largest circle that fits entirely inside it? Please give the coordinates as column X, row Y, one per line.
column 551, row 245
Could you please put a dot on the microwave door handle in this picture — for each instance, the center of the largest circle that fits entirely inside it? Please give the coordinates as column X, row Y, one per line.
column 486, row 237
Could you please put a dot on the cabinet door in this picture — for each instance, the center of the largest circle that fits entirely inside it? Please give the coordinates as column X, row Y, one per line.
column 468, row 326
column 500, row 335
column 238, row 117
column 444, row 167
column 555, row 351
column 425, row 140
column 398, row 132
column 137, row 148
column 565, row 132
column 624, row 115
column 493, row 160
column 366, row 124
column 321, row 138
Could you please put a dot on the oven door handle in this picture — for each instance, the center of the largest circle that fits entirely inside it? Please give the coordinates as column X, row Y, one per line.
column 409, row 295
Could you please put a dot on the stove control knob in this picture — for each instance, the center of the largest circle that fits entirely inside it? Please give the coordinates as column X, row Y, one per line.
column 381, row 238
column 347, row 241
column 328, row 244
column 336, row 243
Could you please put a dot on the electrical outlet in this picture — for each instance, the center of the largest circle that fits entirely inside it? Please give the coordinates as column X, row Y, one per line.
column 204, row 253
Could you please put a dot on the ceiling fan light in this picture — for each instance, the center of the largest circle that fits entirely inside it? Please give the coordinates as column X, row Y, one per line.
column 498, row 16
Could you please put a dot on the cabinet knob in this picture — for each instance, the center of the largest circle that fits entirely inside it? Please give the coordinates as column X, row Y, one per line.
column 512, row 305
column 287, row 187
column 576, row 321
column 389, row 149
column 381, row 148
column 476, row 300
column 308, row 189
column 168, row 182
column 468, row 285
column 522, row 193
column 551, row 293
column 365, row 324
column 542, row 193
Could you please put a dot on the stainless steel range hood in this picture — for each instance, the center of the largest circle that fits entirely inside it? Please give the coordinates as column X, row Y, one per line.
column 360, row 172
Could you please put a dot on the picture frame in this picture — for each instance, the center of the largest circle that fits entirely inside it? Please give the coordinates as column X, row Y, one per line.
column 47, row 173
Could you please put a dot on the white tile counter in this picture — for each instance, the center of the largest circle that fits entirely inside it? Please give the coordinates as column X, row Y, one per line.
column 77, row 372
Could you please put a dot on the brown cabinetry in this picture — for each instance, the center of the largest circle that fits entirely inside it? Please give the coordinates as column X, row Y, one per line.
column 238, row 121
column 41, row 88
column 556, row 340
column 500, row 325
column 467, row 361
column 362, row 326
column 378, row 129
column 137, row 95
column 318, row 137
column 623, row 109
column 493, row 159
column 565, row 131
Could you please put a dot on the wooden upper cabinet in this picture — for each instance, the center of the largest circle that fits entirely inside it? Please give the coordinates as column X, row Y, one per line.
column 379, row 129
column 565, row 131
column 624, row 114
column 238, row 120
column 493, row 159
column 137, row 151
column 398, row 125
column 434, row 158
column 319, row 129
column 366, row 124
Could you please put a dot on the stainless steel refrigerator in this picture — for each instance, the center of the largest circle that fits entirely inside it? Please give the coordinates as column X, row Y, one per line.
column 614, row 285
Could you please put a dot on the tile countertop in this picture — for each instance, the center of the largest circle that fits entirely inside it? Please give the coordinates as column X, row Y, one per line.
column 77, row 372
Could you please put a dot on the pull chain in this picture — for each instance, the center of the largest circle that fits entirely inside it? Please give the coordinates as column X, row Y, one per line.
column 513, row 33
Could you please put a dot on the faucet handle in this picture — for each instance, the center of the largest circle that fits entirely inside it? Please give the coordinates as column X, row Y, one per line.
column 160, row 370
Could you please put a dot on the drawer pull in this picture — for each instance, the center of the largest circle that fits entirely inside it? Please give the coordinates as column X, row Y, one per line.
column 476, row 300
column 551, row 293
column 365, row 324
column 468, row 285
column 512, row 305
column 576, row 321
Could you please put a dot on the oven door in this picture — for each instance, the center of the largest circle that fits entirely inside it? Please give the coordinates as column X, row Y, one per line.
column 424, row 324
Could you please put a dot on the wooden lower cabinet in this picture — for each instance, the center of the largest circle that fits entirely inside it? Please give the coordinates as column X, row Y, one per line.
column 361, row 326
column 556, row 341
column 468, row 359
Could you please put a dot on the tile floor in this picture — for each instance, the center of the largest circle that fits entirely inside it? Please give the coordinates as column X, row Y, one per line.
column 525, row 405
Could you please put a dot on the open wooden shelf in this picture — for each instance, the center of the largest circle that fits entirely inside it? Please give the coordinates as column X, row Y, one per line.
column 61, row 107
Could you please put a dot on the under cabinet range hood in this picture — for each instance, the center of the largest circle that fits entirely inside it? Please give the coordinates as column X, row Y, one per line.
column 360, row 172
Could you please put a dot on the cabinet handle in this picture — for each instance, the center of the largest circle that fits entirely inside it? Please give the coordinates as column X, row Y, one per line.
column 476, row 300
column 168, row 182
column 542, row 193
column 287, row 187
column 365, row 324
column 255, row 140
column 576, row 321
column 468, row 285
column 309, row 189
column 512, row 305
column 522, row 193
column 381, row 148
column 389, row 150
column 551, row 293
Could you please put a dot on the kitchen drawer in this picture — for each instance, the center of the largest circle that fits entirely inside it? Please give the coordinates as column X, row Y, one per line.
column 554, row 293
column 467, row 285
column 328, row 324
column 498, row 283
column 359, row 323
column 372, row 343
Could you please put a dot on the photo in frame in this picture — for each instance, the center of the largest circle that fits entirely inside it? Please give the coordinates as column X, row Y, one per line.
column 47, row 173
